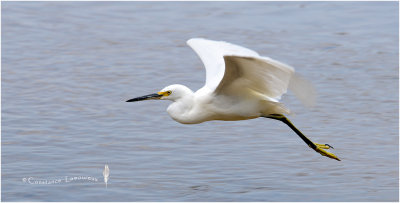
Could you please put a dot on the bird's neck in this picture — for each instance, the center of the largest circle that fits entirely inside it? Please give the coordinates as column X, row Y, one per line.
column 181, row 109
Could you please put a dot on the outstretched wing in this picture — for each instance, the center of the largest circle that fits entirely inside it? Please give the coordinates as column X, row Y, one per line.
column 212, row 55
column 235, row 71
column 259, row 76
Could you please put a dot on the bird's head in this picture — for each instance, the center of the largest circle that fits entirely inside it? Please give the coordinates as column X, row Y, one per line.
column 171, row 92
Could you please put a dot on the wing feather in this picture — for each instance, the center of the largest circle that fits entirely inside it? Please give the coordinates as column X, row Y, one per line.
column 212, row 55
column 233, row 70
column 260, row 76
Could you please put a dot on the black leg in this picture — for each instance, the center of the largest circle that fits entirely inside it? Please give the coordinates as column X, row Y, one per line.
column 317, row 147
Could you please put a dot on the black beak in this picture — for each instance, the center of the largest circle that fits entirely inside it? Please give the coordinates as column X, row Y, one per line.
column 146, row 97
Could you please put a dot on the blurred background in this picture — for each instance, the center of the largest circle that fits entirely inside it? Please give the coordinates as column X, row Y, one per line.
column 68, row 68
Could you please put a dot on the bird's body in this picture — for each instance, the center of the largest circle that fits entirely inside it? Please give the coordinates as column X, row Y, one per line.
column 204, row 105
column 240, row 84
column 200, row 106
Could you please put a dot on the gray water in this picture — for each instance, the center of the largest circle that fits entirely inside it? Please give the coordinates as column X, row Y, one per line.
column 68, row 67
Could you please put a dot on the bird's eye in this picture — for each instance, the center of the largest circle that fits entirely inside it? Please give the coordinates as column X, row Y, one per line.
column 169, row 92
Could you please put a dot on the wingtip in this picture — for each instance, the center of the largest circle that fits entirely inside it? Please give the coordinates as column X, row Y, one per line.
column 193, row 40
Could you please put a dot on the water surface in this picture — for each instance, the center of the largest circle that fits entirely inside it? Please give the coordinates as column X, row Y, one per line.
column 68, row 67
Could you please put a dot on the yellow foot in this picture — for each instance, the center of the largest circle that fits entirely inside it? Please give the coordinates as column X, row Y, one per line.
column 320, row 150
column 324, row 146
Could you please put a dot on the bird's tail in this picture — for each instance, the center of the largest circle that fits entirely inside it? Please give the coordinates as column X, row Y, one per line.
column 303, row 90
column 274, row 108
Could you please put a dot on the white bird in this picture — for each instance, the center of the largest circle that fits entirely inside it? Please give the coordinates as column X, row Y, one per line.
column 240, row 84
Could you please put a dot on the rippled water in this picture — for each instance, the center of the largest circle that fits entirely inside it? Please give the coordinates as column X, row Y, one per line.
column 68, row 67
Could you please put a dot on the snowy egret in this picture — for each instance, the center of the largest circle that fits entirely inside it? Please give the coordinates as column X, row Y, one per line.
column 240, row 84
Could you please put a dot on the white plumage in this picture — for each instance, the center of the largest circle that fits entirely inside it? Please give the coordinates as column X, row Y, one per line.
column 240, row 84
